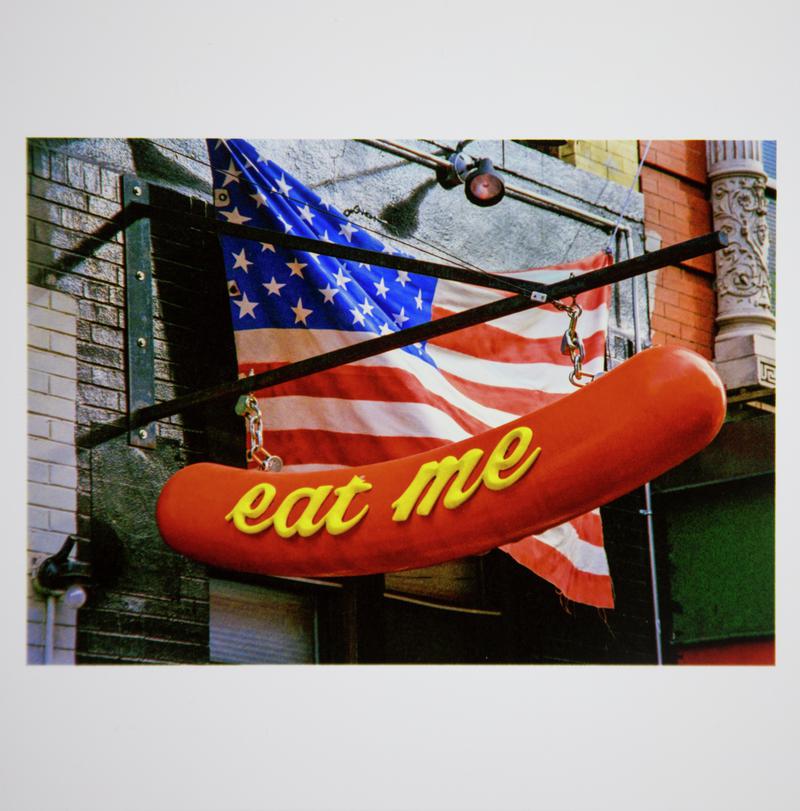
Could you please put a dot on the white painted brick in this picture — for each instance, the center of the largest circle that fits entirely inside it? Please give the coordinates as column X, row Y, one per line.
column 38, row 381
column 51, row 319
column 62, row 521
column 38, row 295
column 66, row 636
column 54, row 364
column 63, row 657
column 36, row 633
column 38, row 472
column 63, row 635
column 38, row 518
column 35, row 609
column 63, row 476
column 63, row 344
column 46, row 495
column 47, row 543
column 66, row 615
column 63, row 302
column 38, row 337
column 62, row 431
column 63, row 387
column 51, row 406
column 49, row 451
column 38, row 425
column 35, row 655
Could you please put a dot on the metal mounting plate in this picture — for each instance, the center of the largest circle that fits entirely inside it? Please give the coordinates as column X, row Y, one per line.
column 139, row 311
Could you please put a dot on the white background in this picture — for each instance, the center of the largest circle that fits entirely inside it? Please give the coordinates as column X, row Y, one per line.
column 380, row 737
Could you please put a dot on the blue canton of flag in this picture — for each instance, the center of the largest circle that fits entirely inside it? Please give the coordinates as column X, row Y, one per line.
column 273, row 287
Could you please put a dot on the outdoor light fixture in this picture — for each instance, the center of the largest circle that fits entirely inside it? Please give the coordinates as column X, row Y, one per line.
column 482, row 185
column 57, row 575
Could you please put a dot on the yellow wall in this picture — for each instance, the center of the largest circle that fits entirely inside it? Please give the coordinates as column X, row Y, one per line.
column 615, row 160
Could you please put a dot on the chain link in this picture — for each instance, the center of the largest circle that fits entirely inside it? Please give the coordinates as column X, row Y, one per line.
column 248, row 408
column 571, row 343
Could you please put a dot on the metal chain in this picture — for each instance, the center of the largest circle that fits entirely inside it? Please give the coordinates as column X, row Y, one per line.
column 572, row 345
column 247, row 407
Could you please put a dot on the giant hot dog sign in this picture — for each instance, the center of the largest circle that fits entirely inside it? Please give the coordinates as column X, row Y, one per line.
column 583, row 451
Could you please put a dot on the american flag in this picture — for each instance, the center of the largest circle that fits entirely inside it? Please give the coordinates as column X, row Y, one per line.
column 290, row 305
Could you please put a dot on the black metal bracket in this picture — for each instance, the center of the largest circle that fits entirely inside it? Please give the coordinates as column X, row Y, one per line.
column 139, row 310
column 143, row 412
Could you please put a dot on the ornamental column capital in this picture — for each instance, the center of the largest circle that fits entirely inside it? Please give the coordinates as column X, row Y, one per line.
column 744, row 345
column 734, row 158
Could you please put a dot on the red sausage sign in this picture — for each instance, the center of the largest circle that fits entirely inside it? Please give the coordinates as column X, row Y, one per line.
column 583, row 451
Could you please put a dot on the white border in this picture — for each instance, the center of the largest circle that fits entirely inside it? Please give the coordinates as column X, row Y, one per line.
column 373, row 738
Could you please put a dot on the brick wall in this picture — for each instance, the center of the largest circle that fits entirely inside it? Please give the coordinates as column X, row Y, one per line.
column 674, row 184
column 150, row 605
column 614, row 160
column 52, row 463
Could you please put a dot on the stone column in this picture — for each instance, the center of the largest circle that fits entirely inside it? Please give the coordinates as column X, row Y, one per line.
column 744, row 349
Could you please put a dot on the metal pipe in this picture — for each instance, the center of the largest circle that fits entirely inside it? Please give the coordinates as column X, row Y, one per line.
column 395, row 340
column 648, row 503
column 439, row 270
column 49, row 628
column 432, row 161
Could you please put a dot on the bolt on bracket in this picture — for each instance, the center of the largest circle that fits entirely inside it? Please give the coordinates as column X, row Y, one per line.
column 139, row 310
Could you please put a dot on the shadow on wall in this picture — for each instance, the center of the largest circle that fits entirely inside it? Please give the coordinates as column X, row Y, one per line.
column 150, row 164
column 402, row 218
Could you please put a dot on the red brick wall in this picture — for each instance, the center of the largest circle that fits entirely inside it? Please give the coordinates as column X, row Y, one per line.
column 676, row 206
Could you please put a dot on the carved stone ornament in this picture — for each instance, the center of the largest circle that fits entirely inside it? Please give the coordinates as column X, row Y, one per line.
column 740, row 210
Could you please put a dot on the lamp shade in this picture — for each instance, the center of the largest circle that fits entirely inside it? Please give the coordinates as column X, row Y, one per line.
column 483, row 185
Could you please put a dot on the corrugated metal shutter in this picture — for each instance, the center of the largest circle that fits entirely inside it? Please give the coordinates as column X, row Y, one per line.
column 257, row 625
column 769, row 156
column 771, row 211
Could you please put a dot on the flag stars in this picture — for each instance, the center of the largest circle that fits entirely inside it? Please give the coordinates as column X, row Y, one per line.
column 300, row 313
column 232, row 174
column 328, row 293
column 380, row 288
column 418, row 299
column 347, row 230
column 274, row 287
column 358, row 317
column 401, row 317
column 265, row 246
column 366, row 307
column 235, row 217
column 286, row 226
column 260, row 198
column 296, row 268
column 305, row 214
column 284, row 186
column 402, row 277
column 246, row 307
column 241, row 261
column 341, row 279
column 385, row 329
column 325, row 237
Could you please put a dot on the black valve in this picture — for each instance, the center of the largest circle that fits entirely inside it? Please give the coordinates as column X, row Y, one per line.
column 58, row 572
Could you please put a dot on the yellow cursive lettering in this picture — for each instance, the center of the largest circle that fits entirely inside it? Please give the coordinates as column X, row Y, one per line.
column 453, row 474
column 249, row 506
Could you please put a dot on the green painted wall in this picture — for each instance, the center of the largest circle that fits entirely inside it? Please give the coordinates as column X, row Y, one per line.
column 722, row 549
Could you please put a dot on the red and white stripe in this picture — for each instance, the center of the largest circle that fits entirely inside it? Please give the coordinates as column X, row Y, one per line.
column 395, row 404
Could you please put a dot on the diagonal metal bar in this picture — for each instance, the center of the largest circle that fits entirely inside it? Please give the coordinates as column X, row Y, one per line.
column 487, row 312
column 387, row 260
column 442, row 326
